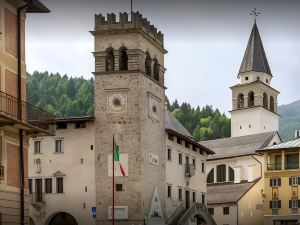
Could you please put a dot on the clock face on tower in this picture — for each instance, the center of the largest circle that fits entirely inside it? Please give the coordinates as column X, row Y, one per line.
column 154, row 107
column 117, row 101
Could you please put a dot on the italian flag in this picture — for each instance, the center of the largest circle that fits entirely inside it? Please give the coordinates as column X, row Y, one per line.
column 117, row 159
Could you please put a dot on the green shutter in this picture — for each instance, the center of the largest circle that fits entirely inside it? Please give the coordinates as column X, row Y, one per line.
column 270, row 182
column 290, row 203
column 298, row 203
column 279, row 204
column 279, row 181
column 290, row 181
column 298, row 180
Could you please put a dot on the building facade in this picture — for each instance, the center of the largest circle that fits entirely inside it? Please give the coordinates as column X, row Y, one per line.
column 235, row 173
column 18, row 119
column 62, row 174
column 185, row 170
column 281, row 184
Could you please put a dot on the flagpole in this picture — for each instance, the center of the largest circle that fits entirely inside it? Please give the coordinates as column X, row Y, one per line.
column 113, row 183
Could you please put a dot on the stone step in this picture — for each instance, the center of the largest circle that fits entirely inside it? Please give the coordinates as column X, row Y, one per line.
column 156, row 221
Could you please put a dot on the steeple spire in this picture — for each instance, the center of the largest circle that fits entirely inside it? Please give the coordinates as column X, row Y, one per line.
column 255, row 58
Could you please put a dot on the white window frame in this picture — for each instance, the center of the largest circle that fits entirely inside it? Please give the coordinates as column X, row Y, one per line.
column 294, row 181
column 274, row 182
column 294, row 203
column 275, row 204
column 34, row 147
column 61, row 146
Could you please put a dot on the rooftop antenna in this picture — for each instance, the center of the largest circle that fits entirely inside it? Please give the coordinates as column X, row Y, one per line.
column 253, row 13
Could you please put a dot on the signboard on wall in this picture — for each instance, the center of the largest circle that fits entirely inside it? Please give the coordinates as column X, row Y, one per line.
column 153, row 159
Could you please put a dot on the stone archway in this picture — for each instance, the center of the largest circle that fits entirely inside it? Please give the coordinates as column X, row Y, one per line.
column 62, row 218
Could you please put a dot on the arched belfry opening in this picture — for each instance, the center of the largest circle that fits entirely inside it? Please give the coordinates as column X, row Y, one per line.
column 251, row 99
column 123, row 60
column 272, row 104
column 265, row 100
column 110, row 60
column 156, row 69
column 240, row 101
column 148, row 63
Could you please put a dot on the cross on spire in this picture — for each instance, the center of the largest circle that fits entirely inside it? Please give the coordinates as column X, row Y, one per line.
column 253, row 13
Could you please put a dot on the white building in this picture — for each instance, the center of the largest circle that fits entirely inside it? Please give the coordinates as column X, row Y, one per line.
column 235, row 173
column 62, row 174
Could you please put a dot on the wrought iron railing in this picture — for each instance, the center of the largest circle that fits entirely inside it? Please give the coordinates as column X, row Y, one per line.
column 189, row 170
column 274, row 166
column 17, row 109
column 291, row 166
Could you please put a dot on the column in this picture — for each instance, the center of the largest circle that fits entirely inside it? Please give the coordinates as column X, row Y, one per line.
column 282, row 160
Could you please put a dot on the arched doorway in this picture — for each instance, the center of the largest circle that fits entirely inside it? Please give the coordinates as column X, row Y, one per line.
column 200, row 220
column 63, row 218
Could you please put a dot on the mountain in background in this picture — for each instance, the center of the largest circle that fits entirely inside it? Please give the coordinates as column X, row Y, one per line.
column 289, row 121
column 66, row 96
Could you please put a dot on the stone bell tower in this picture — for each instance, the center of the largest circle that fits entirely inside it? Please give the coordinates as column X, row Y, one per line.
column 254, row 101
column 129, row 105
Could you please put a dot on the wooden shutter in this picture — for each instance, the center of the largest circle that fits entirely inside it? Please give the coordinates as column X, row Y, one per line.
column 298, row 203
column 270, row 182
column 290, row 203
column 279, row 204
column 290, row 181
column 298, row 180
column 270, row 204
column 279, row 181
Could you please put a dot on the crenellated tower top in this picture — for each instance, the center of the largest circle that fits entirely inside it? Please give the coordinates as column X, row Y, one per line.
column 137, row 22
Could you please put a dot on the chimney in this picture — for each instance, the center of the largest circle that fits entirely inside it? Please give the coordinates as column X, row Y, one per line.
column 297, row 134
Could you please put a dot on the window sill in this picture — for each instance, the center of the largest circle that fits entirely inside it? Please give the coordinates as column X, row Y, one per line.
column 58, row 152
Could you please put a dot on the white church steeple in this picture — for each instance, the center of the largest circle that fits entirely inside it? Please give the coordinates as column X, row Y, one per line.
column 254, row 101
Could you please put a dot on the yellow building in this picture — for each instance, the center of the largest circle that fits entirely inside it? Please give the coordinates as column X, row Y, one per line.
column 281, row 184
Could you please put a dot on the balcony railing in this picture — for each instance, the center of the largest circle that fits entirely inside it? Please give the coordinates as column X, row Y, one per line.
column 28, row 113
column 37, row 197
column 291, row 166
column 287, row 166
column 274, row 166
column 189, row 170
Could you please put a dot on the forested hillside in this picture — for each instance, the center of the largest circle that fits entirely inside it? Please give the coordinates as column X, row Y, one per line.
column 290, row 120
column 61, row 95
column 65, row 96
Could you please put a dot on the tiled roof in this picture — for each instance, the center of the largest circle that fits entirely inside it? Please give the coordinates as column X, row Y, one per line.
column 172, row 123
column 238, row 146
column 255, row 58
column 289, row 144
column 227, row 193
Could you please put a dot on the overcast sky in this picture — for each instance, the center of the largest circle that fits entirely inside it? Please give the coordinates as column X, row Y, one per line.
column 205, row 39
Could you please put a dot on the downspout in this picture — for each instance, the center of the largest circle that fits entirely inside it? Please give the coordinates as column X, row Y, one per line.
column 21, row 153
column 237, row 213
column 261, row 166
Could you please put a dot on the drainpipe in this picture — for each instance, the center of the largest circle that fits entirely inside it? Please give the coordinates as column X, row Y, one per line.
column 21, row 153
column 261, row 166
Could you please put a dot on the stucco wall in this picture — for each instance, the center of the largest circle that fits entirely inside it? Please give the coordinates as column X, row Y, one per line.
column 78, row 175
